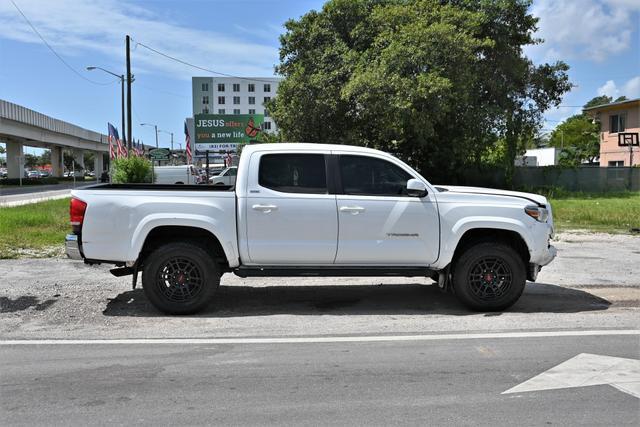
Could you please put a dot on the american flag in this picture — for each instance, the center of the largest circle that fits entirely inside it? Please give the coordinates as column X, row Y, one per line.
column 187, row 140
column 113, row 140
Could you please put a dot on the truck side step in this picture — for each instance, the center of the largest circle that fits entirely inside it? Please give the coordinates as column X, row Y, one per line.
column 332, row 271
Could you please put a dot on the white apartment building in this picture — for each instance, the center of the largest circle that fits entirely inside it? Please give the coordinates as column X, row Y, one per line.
column 234, row 95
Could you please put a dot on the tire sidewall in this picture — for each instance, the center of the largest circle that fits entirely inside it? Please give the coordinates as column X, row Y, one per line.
column 204, row 262
column 467, row 261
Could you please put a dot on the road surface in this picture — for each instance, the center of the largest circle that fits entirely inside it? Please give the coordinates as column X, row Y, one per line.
column 432, row 382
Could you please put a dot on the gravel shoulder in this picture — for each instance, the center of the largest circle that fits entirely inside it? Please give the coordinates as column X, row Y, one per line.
column 593, row 284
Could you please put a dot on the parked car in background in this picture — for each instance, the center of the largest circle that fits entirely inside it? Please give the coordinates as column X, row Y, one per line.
column 3, row 173
column 44, row 173
column 314, row 210
column 33, row 174
column 183, row 174
column 226, row 177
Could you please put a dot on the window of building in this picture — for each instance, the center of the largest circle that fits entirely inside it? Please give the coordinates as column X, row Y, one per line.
column 220, row 87
column 252, row 100
column 293, row 173
column 266, row 99
column 369, row 176
column 236, row 111
column 252, row 111
column 236, row 100
column 266, row 125
column 616, row 163
column 267, row 87
column 205, row 99
column 205, row 87
column 236, row 87
column 617, row 123
column 221, row 111
column 252, row 87
column 221, row 100
column 266, row 112
column 205, row 110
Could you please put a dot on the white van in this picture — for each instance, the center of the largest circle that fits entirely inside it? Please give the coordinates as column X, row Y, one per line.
column 184, row 174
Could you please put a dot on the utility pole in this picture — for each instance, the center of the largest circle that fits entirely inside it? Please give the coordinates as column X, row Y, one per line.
column 122, row 102
column 129, row 93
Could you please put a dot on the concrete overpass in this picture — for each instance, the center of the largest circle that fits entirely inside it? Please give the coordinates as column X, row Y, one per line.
column 20, row 126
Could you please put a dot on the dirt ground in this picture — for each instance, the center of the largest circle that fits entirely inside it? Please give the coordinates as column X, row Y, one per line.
column 593, row 284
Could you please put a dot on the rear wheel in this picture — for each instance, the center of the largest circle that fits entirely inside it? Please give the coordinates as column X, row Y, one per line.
column 489, row 277
column 180, row 278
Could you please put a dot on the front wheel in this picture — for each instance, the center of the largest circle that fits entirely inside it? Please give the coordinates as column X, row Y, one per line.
column 489, row 277
column 180, row 278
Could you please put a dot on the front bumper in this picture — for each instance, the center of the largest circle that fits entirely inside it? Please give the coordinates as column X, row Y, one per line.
column 548, row 255
column 72, row 246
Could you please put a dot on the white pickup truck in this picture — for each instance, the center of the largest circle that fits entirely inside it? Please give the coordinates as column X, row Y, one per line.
column 314, row 210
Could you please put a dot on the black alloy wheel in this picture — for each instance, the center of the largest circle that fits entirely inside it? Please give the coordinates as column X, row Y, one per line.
column 180, row 277
column 489, row 276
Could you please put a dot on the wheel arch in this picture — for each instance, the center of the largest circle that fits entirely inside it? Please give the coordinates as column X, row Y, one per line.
column 475, row 236
column 171, row 233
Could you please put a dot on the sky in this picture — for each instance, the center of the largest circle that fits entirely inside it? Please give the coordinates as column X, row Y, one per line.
column 599, row 39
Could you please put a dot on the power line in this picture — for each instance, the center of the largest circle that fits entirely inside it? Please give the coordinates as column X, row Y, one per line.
column 199, row 67
column 56, row 53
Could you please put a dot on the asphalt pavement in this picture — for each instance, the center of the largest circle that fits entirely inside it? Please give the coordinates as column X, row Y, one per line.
column 433, row 382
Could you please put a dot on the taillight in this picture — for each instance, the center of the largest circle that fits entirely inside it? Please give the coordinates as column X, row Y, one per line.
column 76, row 214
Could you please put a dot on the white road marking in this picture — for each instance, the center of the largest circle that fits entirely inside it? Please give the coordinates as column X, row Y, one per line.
column 338, row 339
column 586, row 370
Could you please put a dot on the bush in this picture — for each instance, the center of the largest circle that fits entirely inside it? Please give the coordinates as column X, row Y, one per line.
column 131, row 169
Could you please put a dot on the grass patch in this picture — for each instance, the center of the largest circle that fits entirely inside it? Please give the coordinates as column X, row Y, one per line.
column 613, row 213
column 38, row 228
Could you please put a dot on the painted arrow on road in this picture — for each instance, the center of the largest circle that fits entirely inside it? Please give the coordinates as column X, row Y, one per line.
column 585, row 370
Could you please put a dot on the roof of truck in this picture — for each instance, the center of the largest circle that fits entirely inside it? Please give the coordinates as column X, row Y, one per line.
column 296, row 146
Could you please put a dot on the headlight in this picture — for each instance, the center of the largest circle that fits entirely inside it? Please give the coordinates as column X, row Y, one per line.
column 537, row 213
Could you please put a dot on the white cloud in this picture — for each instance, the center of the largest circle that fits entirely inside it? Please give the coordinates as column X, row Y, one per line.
column 609, row 89
column 630, row 89
column 74, row 27
column 585, row 29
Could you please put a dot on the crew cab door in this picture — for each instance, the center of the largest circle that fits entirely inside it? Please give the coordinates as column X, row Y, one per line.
column 290, row 215
column 378, row 222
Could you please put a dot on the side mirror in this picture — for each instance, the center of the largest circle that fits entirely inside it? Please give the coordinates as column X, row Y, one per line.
column 416, row 188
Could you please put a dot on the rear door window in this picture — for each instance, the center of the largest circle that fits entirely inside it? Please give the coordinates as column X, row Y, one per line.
column 293, row 173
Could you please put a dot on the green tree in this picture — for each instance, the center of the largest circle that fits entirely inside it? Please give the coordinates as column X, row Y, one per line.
column 132, row 169
column 598, row 100
column 579, row 139
column 435, row 82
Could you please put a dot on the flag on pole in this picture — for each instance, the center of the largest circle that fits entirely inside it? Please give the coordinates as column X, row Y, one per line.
column 113, row 137
column 187, row 140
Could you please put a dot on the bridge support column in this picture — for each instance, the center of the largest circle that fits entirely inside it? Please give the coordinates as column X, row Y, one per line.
column 57, row 166
column 98, row 166
column 78, row 156
column 15, row 166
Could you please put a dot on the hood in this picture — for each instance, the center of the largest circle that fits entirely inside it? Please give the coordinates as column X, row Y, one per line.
column 536, row 198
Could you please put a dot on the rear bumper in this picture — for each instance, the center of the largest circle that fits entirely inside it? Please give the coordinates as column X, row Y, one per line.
column 72, row 247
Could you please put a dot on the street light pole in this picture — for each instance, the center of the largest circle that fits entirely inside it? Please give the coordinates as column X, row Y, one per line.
column 121, row 77
column 156, row 129
column 170, row 133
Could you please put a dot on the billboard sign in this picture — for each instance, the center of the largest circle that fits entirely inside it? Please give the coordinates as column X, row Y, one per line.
column 223, row 132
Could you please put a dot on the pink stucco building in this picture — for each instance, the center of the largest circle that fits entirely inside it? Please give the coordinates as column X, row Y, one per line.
column 619, row 125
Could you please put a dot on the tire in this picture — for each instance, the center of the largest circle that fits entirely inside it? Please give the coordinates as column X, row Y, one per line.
column 489, row 277
column 180, row 278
